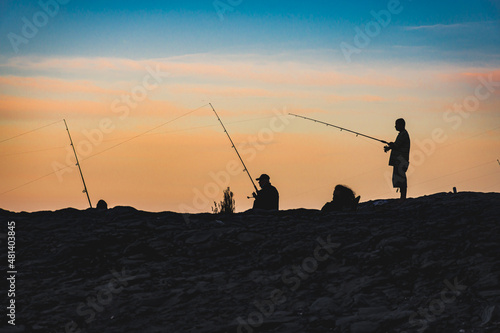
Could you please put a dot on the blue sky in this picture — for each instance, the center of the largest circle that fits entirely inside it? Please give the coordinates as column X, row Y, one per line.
column 155, row 29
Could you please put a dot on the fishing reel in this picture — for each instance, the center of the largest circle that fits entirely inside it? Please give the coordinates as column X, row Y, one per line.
column 388, row 147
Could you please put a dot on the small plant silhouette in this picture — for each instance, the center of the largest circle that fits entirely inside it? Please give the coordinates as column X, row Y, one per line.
column 226, row 206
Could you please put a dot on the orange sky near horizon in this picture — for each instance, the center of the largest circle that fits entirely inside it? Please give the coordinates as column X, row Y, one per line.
column 183, row 166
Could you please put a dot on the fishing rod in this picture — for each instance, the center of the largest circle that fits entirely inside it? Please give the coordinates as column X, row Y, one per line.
column 236, row 150
column 341, row 128
column 78, row 164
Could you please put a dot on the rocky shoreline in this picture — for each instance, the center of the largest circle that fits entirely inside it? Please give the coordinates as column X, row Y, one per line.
column 430, row 264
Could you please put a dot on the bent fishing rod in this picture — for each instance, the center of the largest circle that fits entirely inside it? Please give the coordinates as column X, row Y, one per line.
column 340, row 128
column 236, row 150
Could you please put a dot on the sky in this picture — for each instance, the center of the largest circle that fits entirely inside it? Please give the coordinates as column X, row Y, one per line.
column 134, row 81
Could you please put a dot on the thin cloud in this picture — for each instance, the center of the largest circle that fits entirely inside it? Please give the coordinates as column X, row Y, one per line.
column 454, row 26
column 263, row 72
column 437, row 27
column 44, row 84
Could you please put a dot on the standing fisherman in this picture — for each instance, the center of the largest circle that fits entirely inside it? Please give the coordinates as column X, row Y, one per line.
column 268, row 196
column 400, row 157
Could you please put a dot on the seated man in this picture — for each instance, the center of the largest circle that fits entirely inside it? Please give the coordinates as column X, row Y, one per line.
column 343, row 200
column 268, row 196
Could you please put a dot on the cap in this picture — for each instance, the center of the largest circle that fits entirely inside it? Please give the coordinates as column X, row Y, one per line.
column 263, row 176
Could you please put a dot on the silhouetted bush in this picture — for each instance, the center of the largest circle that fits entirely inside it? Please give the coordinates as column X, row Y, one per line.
column 227, row 205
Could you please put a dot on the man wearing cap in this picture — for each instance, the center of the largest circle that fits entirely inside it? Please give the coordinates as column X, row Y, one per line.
column 268, row 196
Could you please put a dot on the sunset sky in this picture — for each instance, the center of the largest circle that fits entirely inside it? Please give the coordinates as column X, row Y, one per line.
column 133, row 80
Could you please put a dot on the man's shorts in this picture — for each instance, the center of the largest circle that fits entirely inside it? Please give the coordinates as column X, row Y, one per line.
column 399, row 176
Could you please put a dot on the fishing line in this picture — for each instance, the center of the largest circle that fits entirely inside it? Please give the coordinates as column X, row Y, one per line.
column 33, row 151
column 466, row 180
column 70, row 166
column 33, row 130
column 454, row 173
column 467, row 138
column 150, row 130
column 192, row 128
column 34, row 180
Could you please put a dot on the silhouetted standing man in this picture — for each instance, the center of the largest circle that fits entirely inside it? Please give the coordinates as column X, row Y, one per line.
column 268, row 196
column 400, row 157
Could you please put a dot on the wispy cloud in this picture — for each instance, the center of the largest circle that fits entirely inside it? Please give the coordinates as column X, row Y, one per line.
column 437, row 27
column 451, row 27
column 215, row 68
column 471, row 76
column 44, row 84
column 13, row 107
column 362, row 98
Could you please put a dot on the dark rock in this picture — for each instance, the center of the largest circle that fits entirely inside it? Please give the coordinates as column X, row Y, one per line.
column 364, row 327
column 322, row 305
column 431, row 261
column 248, row 237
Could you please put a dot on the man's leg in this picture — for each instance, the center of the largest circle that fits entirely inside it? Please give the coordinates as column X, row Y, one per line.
column 399, row 179
column 404, row 181
column 403, row 192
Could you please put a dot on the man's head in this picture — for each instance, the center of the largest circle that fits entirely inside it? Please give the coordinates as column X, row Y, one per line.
column 263, row 180
column 400, row 124
column 342, row 191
